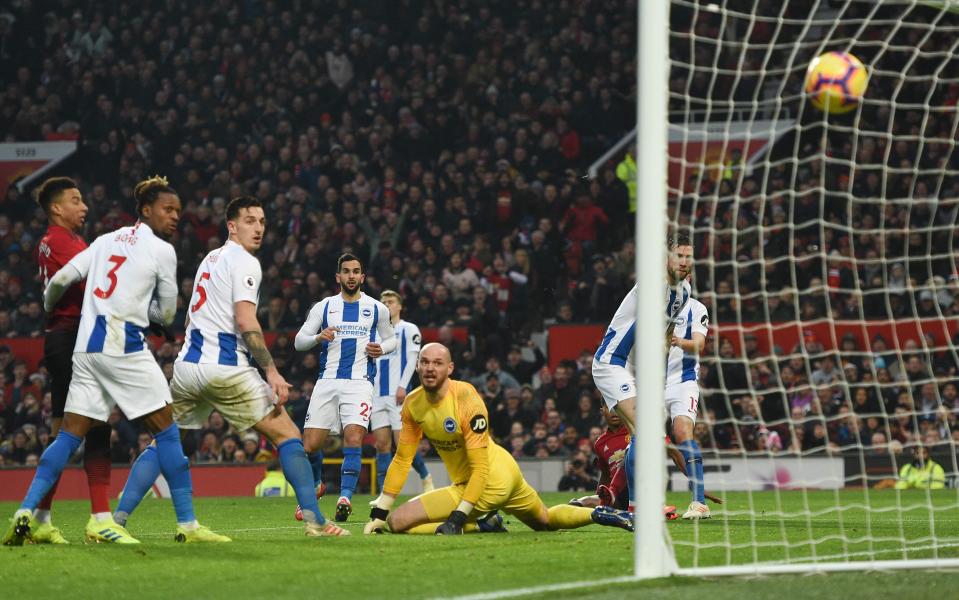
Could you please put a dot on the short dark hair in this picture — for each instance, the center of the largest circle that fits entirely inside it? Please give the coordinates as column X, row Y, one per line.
column 678, row 239
column 241, row 202
column 50, row 190
column 347, row 257
column 147, row 191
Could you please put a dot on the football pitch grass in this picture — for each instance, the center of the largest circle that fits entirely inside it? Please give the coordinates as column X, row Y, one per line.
column 270, row 557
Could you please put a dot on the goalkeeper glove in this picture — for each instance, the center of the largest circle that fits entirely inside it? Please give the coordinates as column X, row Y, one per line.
column 377, row 522
column 453, row 525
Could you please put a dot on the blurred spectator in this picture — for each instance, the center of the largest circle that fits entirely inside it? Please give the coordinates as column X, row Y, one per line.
column 922, row 473
column 577, row 476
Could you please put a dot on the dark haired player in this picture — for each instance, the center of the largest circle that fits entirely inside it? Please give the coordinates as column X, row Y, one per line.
column 130, row 281
column 214, row 369
column 66, row 212
column 352, row 330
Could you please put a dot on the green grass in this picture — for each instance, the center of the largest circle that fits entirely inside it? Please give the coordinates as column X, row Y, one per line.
column 270, row 557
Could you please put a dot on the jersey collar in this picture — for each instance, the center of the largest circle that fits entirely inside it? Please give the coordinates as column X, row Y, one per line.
column 51, row 227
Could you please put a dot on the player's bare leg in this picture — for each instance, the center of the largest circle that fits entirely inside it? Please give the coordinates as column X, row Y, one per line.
column 280, row 430
column 626, row 409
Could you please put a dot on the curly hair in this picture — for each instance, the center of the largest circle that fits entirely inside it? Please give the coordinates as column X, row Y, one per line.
column 147, row 191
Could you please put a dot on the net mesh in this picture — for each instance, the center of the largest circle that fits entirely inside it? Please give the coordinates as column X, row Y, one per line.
column 826, row 256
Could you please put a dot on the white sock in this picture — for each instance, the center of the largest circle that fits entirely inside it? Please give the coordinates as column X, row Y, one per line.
column 191, row 526
column 102, row 516
column 43, row 516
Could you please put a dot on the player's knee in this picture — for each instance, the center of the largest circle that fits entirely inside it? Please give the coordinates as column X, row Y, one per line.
column 353, row 438
column 396, row 524
column 682, row 429
column 383, row 446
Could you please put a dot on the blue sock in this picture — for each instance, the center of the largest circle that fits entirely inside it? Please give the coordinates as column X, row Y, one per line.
column 52, row 461
column 316, row 462
column 420, row 465
column 694, row 469
column 296, row 467
column 628, row 465
column 350, row 472
column 145, row 471
column 700, row 478
column 176, row 470
column 382, row 464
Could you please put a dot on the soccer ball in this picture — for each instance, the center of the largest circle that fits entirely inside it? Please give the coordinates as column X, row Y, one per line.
column 836, row 82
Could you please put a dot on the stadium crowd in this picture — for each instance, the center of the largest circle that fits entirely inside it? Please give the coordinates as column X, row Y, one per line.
column 441, row 141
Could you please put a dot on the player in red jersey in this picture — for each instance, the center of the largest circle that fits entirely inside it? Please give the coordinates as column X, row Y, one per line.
column 610, row 449
column 66, row 212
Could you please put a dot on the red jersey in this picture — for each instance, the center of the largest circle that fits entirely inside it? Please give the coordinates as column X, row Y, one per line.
column 56, row 248
column 502, row 286
column 610, row 448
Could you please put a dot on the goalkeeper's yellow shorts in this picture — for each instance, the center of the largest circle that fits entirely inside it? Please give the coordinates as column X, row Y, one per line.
column 506, row 490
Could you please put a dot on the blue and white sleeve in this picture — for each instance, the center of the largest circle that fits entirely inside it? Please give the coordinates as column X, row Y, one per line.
column 412, row 355
column 306, row 337
column 384, row 329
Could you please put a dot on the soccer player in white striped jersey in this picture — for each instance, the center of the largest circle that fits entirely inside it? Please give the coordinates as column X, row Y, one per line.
column 214, row 370
column 393, row 375
column 130, row 280
column 613, row 362
column 352, row 330
column 687, row 330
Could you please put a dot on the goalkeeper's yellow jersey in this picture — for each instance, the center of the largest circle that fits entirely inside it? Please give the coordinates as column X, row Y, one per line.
column 457, row 423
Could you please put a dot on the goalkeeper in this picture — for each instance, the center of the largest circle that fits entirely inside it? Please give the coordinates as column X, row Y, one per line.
column 485, row 477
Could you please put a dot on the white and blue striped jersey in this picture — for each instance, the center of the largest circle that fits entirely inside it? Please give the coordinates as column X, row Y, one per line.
column 226, row 276
column 395, row 370
column 682, row 366
column 617, row 345
column 358, row 323
column 123, row 270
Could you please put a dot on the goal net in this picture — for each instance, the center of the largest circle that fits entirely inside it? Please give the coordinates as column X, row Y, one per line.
column 825, row 248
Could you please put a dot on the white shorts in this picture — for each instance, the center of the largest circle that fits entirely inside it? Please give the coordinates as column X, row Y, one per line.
column 238, row 393
column 682, row 400
column 615, row 383
column 133, row 382
column 336, row 403
column 386, row 413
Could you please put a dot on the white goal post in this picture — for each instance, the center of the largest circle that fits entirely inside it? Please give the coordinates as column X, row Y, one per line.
column 821, row 239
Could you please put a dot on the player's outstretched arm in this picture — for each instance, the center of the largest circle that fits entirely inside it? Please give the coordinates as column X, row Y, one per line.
column 252, row 333
column 309, row 334
column 58, row 286
column 412, row 355
column 393, row 484
column 72, row 272
column 385, row 333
